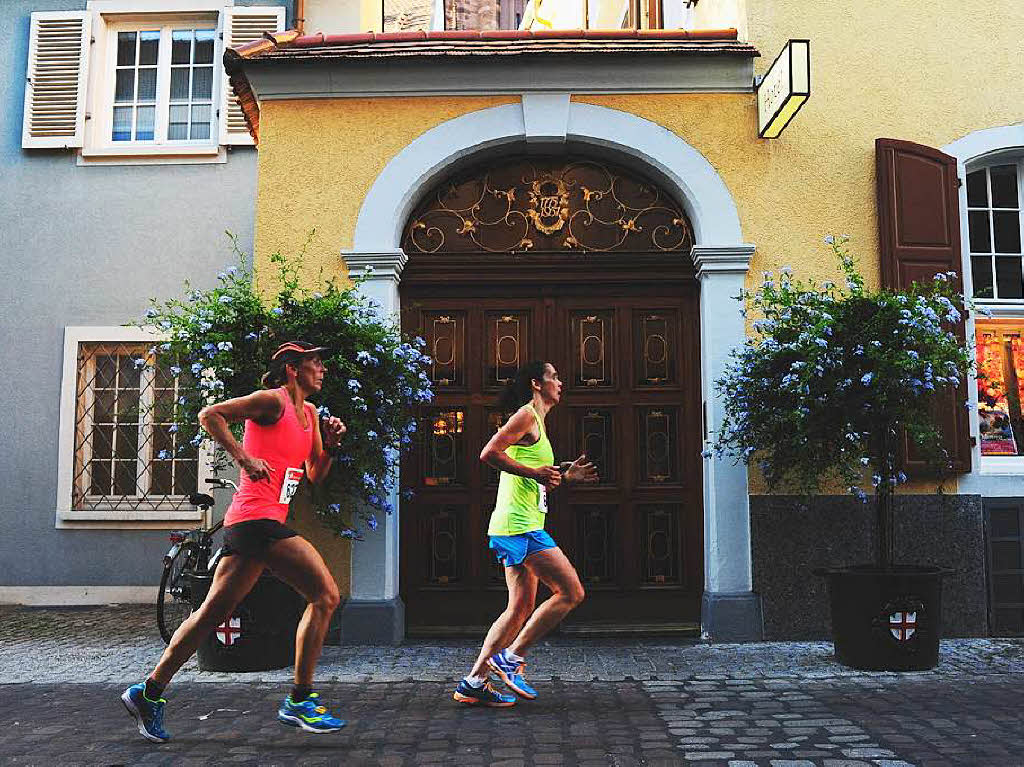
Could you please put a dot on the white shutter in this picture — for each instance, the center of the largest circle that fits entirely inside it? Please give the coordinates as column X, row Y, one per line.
column 58, row 64
column 240, row 26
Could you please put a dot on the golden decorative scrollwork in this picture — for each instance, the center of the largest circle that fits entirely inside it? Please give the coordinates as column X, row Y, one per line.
column 547, row 205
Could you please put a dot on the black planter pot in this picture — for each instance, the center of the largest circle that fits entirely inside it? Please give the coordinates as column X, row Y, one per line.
column 259, row 635
column 886, row 620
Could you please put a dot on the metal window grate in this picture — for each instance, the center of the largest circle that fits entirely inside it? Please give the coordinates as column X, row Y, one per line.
column 128, row 456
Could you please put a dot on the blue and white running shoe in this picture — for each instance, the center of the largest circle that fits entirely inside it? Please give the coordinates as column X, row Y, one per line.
column 484, row 695
column 511, row 674
column 149, row 714
column 310, row 715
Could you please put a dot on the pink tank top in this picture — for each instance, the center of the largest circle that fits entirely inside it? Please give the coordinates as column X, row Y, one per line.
column 285, row 446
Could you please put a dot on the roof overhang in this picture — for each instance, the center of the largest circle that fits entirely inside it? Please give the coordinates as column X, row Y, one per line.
column 289, row 66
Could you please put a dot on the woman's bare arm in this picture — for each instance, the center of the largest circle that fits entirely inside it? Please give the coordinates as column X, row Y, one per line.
column 493, row 454
column 263, row 407
column 319, row 463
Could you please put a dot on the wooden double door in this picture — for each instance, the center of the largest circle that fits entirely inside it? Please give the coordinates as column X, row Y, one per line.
column 629, row 363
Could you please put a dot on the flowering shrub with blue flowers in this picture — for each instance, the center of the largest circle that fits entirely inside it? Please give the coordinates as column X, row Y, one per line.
column 821, row 392
column 218, row 343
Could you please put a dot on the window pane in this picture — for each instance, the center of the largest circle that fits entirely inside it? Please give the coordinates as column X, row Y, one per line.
column 149, row 46
column 185, row 479
column 122, row 130
column 126, row 49
column 1008, row 277
column 179, row 84
column 160, row 482
column 204, row 46
column 201, row 122
column 125, row 478
column 981, row 273
column 100, row 471
column 102, row 441
column 202, row 83
column 127, row 372
column 103, row 406
column 146, row 121
column 147, row 85
column 1004, row 186
column 124, row 90
column 1006, row 225
column 177, row 125
column 181, row 46
column 127, row 441
column 977, row 223
column 162, row 440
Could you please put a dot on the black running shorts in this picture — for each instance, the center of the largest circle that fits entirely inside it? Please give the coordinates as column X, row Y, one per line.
column 252, row 537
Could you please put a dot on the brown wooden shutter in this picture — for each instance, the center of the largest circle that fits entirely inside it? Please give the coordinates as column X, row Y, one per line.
column 919, row 236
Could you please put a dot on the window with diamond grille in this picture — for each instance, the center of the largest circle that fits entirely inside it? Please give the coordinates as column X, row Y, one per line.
column 127, row 452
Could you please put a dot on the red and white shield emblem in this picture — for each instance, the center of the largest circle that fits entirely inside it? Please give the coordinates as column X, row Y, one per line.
column 903, row 625
column 230, row 631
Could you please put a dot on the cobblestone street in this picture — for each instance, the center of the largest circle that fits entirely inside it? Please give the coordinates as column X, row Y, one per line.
column 602, row 702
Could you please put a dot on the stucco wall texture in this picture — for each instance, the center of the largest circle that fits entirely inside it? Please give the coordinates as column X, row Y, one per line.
column 319, row 157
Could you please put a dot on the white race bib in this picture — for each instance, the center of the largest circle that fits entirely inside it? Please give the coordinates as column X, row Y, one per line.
column 542, row 498
column 292, row 478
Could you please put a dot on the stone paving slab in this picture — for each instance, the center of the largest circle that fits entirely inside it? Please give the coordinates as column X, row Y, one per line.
column 938, row 722
column 120, row 644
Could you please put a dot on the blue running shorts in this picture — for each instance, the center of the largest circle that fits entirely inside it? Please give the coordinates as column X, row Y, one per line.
column 513, row 549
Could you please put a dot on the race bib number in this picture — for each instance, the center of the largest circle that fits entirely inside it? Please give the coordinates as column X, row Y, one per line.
column 542, row 498
column 292, row 478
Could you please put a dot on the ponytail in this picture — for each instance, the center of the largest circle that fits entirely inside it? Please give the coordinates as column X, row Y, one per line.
column 519, row 391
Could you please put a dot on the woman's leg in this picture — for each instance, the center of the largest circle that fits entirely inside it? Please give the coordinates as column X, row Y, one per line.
column 297, row 563
column 522, row 595
column 556, row 571
column 234, row 578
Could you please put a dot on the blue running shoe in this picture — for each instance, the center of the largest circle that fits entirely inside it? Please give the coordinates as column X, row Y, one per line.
column 511, row 674
column 310, row 715
column 148, row 713
column 485, row 695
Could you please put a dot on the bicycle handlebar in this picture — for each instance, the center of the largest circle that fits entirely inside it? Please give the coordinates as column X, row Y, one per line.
column 222, row 483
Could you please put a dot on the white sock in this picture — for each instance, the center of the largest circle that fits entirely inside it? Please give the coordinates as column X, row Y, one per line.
column 474, row 681
column 511, row 656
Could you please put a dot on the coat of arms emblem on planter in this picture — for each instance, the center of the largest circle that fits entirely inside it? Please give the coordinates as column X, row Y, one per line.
column 230, row 631
column 902, row 620
column 902, row 625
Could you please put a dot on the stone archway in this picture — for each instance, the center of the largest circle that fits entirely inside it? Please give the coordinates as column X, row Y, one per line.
column 731, row 611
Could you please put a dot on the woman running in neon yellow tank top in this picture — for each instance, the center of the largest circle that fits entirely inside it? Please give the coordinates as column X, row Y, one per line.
column 522, row 452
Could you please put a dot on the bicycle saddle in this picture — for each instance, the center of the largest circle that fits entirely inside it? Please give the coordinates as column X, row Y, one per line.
column 200, row 499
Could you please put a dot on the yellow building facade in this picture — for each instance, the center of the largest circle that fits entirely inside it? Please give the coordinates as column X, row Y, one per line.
column 357, row 131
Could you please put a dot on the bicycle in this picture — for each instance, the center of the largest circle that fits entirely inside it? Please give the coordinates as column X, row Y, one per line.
column 190, row 554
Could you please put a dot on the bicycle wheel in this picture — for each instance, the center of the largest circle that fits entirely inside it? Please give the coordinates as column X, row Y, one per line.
column 174, row 601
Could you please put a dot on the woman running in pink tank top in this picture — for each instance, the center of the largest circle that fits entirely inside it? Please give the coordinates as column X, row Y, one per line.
column 283, row 442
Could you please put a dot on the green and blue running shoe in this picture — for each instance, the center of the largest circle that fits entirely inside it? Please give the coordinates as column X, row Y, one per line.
column 310, row 715
column 149, row 714
column 484, row 695
column 511, row 673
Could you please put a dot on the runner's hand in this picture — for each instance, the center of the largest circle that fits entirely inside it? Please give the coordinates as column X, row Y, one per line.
column 256, row 468
column 581, row 471
column 549, row 476
column 332, row 428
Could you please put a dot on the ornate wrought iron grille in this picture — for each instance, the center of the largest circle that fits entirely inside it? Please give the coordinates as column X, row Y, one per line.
column 127, row 453
column 546, row 205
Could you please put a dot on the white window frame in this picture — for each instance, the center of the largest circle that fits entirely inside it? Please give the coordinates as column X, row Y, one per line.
column 67, row 517
column 113, row 16
column 991, row 476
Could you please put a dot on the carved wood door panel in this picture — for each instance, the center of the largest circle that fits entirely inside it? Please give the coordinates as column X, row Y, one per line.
column 630, row 401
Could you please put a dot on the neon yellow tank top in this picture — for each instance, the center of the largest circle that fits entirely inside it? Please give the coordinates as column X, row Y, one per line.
column 521, row 505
